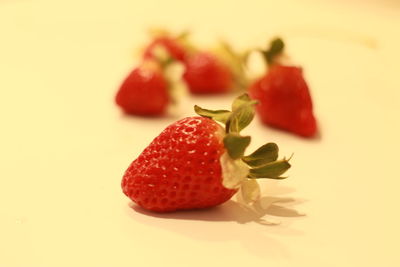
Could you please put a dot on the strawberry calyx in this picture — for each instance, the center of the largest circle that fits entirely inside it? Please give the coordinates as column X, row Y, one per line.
column 275, row 50
column 262, row 163
column 235, row 61
column 176, row 45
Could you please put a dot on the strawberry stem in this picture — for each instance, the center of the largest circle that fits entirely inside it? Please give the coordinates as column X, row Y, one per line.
column 275, row 49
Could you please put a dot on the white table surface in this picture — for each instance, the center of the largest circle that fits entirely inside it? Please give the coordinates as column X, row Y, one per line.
column 64, row 145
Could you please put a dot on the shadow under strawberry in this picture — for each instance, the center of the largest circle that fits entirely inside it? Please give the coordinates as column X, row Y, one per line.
column 235, row 211
column 224, row 223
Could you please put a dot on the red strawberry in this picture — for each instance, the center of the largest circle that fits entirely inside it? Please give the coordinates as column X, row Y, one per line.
column 205, row 74
column 144, row 91
column 283, row 95
column 214, row 72
column 194, row 163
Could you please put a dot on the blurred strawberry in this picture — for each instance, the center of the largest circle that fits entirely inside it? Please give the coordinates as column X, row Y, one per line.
column 144, row 91
column 206, row 74
column 283, row 95
column 164, row 42
column 211, row 72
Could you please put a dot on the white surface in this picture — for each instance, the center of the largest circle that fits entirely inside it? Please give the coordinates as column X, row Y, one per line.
column 64, row 145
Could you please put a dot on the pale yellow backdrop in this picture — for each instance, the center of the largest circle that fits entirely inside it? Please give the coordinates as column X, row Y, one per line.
column 64, row 145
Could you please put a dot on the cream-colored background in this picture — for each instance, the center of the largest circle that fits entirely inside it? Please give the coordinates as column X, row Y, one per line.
column 64, row 145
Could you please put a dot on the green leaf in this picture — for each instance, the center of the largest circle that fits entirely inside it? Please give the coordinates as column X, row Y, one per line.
column 236, row 144
column 218, row 115
column 183, row 35
column 276, row 47
column 242, row 114
column 272, row 170
column 241, row 100
column 240, row 119
column 236, row 62
column 265, row 154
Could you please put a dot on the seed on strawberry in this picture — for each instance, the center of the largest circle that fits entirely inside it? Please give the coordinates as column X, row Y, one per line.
column 283, row 95
column 196, row 163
